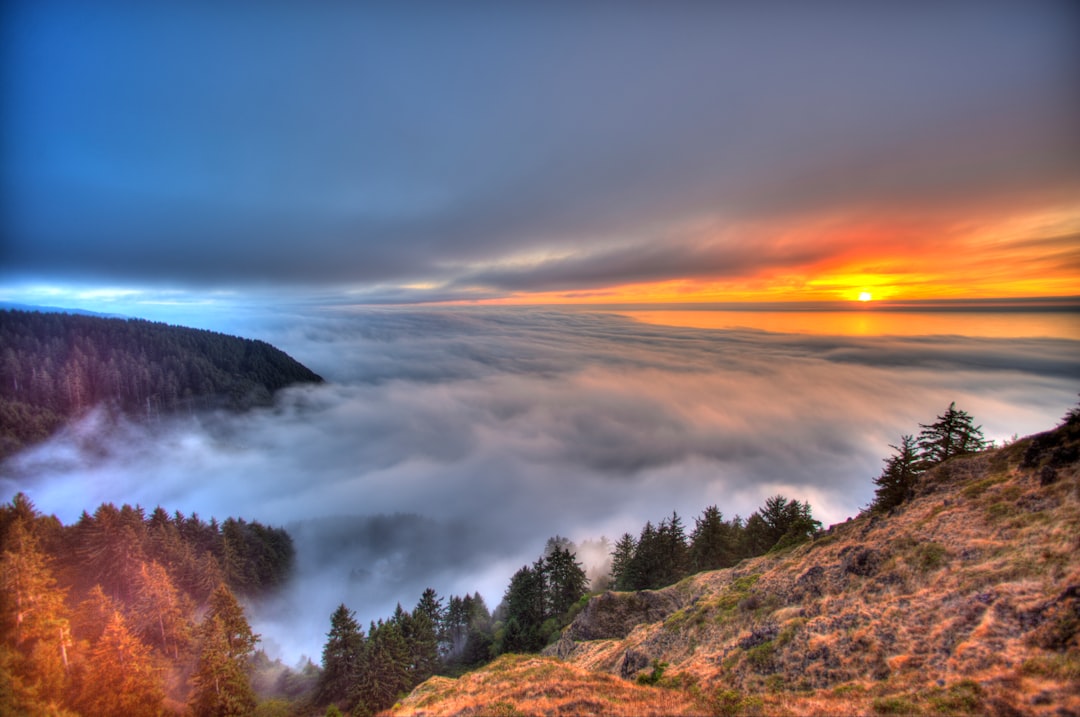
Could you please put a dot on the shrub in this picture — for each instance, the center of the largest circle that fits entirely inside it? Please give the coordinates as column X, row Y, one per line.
column 930, row 556
column 651, row 678
column 728, row 703
column 964, row 697
column 895, row 705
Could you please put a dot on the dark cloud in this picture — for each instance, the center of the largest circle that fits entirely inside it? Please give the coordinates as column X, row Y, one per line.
column 495, row 429
column 199, row 143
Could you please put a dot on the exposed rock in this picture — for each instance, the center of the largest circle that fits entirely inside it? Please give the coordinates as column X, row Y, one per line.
column 632, row 663
column 561, row 649
column 614, row 615
column 861, row 561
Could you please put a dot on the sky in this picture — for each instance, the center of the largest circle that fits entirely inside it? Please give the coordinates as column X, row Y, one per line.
column 542, row 153
column 460, row 215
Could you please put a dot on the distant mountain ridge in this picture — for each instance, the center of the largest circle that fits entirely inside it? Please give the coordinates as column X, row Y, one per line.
column 964, row 600
column 56, row 366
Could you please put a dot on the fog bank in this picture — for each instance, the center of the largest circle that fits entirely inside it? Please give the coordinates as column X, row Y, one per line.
column 478, row 434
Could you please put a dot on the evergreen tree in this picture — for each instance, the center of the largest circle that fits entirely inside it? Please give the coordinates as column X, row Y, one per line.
column 226, row 642
column 422, row 636
column 120, row 679
column 525, row 602
column 674, row 554
column 897, row 480
column 711, row 543
column 159, row 614
column 341, row 658
column 384, row 673
column 648, row 562
column 953, row 434
column 32, row 613
column 757, row 537
column 566, row 581
column 479, row 641
column 622, row 563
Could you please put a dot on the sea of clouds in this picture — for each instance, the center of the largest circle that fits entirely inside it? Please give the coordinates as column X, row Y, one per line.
column 448, row 444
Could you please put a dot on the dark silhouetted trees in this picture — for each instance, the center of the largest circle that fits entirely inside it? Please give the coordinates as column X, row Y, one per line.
column 661, row 555
column 341, row 658
column 954, row 433
column 897, row 481
column 55, row 366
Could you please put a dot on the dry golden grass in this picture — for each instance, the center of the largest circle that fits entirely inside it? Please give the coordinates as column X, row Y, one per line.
column 516, row 685
column 964, row 602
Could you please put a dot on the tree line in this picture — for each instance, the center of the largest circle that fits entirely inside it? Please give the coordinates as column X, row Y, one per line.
column 363, row 673
column 54, row 367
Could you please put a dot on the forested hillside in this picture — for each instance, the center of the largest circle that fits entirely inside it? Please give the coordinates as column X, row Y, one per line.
column 55, row 366
column 122, row 613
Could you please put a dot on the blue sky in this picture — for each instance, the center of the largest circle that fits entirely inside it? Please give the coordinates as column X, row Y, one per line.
column 426, row 151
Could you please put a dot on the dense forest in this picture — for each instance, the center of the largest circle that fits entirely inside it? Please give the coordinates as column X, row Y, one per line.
column 55, row 366
column 123, row 613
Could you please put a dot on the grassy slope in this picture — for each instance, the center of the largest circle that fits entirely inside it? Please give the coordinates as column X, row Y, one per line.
column 965, row 601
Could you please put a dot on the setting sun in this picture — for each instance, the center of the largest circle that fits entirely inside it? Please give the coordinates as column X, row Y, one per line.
column 865, row 296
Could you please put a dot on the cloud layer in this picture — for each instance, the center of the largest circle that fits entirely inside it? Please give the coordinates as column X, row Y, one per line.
column 483, row 152
column 495, row 429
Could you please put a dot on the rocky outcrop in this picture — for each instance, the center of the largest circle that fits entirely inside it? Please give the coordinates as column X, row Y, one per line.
column 614, row 615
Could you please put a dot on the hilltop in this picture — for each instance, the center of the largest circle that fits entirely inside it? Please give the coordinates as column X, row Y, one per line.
column 963, row 600
column 56, row 366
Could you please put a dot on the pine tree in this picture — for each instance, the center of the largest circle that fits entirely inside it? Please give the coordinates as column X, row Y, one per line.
column 566, row 581
column 897, row 480
column 226, row 642
column 711, row 544
column 525, row 601
column 647, row 564
column 953, row 434
column 422, row 636
column 622, row 562
column 32, row 614
column 341, row 658
column 120, row 679
column 384, row 673
column 158, row 612
column 674, row 554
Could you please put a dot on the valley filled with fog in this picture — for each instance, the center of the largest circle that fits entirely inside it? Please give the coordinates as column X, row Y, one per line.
column 449, row 443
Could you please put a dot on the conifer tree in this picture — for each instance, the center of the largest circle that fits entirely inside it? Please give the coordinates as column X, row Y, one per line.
column 385, row 670
column 953, row 434
column 422, row 636
column 159, row 612
column 566, row 581
column 226, row 642
column 32, row 614
column 342, row 657
column 525, row 602
column 897, row 480
column 648, row 559
column 120, row 679
column 674, row 554
column 622, row 563
column 711, row 544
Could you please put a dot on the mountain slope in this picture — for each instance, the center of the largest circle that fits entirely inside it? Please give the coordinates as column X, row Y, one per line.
column 966, row 600
column 55, row 366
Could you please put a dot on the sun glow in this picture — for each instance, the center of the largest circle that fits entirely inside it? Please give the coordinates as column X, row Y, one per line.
column 865, row 296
